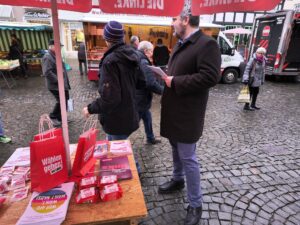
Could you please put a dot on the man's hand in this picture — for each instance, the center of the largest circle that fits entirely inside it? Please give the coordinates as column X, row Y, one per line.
column 86, row 112
column 168, row 80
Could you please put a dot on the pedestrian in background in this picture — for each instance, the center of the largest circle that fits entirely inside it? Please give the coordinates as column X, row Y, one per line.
column 254, row 76
column 16, row 52
column 50, row 73
column 194, row 67
column 120, row 76
column 134, row 41
column 3, row 139
column 82, row 58
column 160, row 54
column 144, row 96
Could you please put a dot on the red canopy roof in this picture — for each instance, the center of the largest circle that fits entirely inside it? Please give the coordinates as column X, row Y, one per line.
column 211, row 6
column 71, row 5
column 143, row 7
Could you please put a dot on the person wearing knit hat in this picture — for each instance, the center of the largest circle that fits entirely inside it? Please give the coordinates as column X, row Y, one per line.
column 113, row 32
column 119, row 77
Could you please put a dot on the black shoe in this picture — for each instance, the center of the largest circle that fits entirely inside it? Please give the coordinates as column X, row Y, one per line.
column 153, row 141
column 170, row 186
column 248, row 108
column 193, row 215
column 254, row 107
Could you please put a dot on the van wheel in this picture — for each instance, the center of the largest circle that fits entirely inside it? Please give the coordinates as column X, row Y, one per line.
column 230, row 76
column 297, row 79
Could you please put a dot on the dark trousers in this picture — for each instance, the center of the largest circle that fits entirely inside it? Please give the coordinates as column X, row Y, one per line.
column 253, row 96
column 185, row 164
column 147, row 120
column 56, row 112
column 80, row 66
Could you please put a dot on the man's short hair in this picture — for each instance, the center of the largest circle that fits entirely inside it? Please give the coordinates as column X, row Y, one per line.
column 145, row 45
column 133, row 39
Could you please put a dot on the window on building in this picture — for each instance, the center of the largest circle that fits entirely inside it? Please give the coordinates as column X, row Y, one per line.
column 229, row 17
column 239, row 17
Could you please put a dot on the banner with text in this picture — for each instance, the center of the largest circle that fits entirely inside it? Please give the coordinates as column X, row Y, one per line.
column 71, row 5
column 142, row 7
column 216, row 6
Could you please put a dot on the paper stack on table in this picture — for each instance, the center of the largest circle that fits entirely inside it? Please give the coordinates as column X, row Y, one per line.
column 48, row 208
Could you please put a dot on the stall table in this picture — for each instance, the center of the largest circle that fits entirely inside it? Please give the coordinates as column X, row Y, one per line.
column 4, row 72
column 126, row 210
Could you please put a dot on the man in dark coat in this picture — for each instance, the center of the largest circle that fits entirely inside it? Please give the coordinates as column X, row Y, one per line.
column 144, row 96
column 82, row 58
column 50, row 73
column 120, row 75
column 160, row 54
column 16, row 52
column 193, row 68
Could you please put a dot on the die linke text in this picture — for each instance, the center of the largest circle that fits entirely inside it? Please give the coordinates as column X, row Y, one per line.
column 206, row 3
column 140, row 4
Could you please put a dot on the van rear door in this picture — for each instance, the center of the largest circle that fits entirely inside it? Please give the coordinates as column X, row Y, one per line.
column 268, row 36
column 292, row 60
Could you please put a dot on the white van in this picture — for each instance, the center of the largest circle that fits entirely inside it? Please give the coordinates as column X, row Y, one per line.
column 233, row 63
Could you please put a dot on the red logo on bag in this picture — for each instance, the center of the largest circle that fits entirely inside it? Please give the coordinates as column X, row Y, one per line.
column 266, row 31
column 88, row 153
column 52, row 164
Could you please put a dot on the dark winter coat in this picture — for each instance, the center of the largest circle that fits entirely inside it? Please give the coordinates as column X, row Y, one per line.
column 15, row 52
column 120, row 75
column 160, row 55
column 195, row 66
column 144, row 96
column 50, row 72
column 81, row 52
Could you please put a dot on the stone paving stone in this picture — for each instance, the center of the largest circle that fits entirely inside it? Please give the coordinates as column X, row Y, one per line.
column 214, row 222
column 262, row 165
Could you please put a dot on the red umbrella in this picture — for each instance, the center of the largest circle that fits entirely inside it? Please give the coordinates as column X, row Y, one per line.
column 210, row 6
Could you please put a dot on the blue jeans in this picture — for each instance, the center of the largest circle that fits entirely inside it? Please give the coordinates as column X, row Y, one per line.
column 1, row 129
column 147, row 120
column 185, row 163
column 110, row 137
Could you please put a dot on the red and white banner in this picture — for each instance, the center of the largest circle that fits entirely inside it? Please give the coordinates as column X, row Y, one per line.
column 143, row 7
column 71, row 5
column 215, row 6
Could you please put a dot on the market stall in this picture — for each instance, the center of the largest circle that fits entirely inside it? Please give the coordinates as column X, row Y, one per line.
column 96, row 45
column 34, row 39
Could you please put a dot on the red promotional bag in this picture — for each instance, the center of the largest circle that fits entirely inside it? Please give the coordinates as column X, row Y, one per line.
column 43, row 134
column 47, row 161
column 84, row 160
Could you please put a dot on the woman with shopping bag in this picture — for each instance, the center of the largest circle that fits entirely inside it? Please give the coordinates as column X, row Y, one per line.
column 254, row 76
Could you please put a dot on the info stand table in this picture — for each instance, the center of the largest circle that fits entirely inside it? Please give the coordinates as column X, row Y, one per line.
column 126, row 210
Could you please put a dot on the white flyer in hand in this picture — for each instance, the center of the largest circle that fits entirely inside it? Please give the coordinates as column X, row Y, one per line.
column 158, row 71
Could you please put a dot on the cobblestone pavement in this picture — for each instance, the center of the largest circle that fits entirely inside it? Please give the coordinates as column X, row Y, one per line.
column 250, row 161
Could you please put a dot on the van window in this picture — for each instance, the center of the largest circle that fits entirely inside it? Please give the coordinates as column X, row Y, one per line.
column 224, row 46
